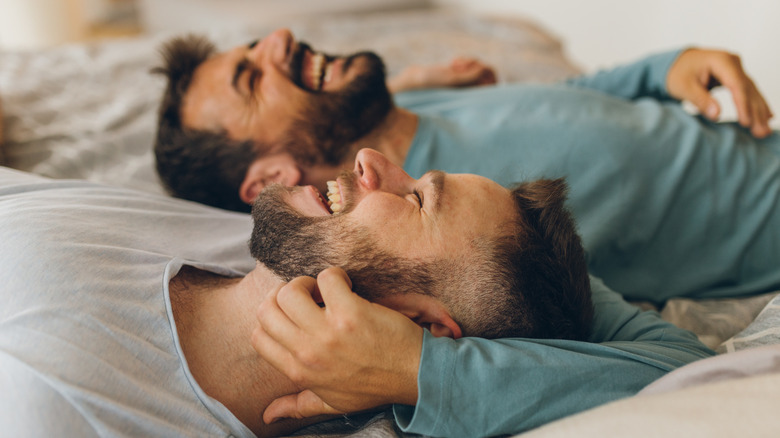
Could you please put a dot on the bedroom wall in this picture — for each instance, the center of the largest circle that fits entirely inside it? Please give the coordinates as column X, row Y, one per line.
column 158, row 15
column 602, row 33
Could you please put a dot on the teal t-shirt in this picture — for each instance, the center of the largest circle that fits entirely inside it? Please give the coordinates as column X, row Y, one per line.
column 668, row 204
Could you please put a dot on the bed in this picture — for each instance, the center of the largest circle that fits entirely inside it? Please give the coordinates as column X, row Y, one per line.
column 88, row 111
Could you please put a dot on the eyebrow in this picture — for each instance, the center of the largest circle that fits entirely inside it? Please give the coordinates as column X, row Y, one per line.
column 437, row 182
column 240, row 67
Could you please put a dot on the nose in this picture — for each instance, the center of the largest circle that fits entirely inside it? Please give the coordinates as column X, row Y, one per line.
column 274, row 47
column 376, row 172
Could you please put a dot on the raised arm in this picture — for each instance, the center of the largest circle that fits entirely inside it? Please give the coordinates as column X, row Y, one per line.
column 687, row 75
column 697, row 71
column 643, row 78
column 468, row 387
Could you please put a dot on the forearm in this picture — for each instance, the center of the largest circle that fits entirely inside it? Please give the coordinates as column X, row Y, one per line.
column 644, row 78
column 476, row 387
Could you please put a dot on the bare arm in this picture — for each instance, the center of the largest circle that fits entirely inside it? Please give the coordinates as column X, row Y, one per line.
column 461, row 72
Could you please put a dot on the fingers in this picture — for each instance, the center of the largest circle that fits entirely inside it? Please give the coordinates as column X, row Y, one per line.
column 297, row 301
column 471, row 71
column 290, row 316
column 701, row 98
column 301, row 405
column 697, row 70
column 336, row 290
column 752, row 110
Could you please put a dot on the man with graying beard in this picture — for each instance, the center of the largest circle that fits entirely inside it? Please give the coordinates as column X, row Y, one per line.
column 111, row 327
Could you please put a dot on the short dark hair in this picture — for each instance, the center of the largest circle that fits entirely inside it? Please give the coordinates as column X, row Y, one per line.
column 530, row 282
column 202, row 166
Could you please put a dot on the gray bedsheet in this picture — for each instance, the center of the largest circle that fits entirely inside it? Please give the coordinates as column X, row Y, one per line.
column 88, row 111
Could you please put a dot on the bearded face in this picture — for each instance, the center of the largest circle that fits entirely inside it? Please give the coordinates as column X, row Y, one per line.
column 334, row 120
column 291, row 244
column 283, row 96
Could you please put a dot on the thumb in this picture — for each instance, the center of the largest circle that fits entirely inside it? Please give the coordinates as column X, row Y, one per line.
column 703, row 100
column 301, row 405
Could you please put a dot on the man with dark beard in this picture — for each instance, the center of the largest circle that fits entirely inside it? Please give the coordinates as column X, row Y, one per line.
column 107, row 331
column 314, row 107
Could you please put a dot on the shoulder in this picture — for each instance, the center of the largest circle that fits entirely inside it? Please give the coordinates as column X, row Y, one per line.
column 30, row 406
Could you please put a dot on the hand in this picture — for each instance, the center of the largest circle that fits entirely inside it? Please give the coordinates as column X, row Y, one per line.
column 697, row 71
column 461, row 72
column 350, row 355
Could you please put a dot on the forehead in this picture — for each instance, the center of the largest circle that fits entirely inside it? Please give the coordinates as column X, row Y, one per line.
column 475, row 206
column 470, row 209
column 210, row 98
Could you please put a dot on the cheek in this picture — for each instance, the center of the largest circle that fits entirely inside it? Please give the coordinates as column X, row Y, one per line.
column 395, row 227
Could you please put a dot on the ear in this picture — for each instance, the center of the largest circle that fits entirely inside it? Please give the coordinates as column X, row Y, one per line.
column 443, row 326
column 432, row 315
column 278, row 168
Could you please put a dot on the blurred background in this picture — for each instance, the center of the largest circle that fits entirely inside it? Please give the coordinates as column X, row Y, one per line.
column 596, row 33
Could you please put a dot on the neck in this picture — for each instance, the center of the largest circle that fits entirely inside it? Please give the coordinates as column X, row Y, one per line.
column 215, row 317
column 393, row 137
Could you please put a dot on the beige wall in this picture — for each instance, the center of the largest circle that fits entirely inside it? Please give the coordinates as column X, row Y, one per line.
column 602, row 33
column 30, row 24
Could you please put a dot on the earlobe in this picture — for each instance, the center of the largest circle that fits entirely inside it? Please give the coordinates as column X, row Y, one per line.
column 278, row 168
column 250, row 187
column 441, row 324
column 444, row 330
column 427, row 312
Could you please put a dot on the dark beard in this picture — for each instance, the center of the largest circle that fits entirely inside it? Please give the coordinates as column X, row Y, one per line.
column 287, row 243
column 335, row 120
column 292, row 245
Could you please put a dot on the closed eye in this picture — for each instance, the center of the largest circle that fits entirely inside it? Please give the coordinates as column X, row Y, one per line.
column 254, row 75
column 419, row 197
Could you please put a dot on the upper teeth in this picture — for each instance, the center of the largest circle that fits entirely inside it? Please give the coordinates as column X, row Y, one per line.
column 334, row 197
column 317, row 61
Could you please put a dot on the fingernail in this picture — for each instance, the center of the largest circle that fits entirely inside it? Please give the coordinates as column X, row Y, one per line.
column 712, row 111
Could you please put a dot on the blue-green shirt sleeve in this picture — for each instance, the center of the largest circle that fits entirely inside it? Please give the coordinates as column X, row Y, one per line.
column 478, row 387
column 644, row 78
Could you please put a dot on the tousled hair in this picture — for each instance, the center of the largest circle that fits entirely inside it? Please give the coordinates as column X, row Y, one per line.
column 201, row 166
column 530, row 282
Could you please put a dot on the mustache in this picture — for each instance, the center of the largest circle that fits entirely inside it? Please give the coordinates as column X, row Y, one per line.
column 347, row 184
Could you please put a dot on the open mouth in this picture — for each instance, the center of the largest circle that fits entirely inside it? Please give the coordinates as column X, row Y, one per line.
column 335, row 198
column 317, row 69
column 324, row 202
column 308, row 201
